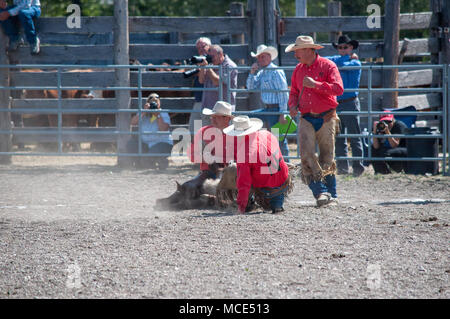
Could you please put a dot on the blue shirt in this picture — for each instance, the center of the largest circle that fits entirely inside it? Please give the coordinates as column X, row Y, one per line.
column 270, row 80
column 350, row 78
column 149, row 126
column 22, row 4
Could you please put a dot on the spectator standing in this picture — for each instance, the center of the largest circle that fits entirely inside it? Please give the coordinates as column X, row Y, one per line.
column 210, row 78
column 348, row 102
column 202, row 44
column 262, row 78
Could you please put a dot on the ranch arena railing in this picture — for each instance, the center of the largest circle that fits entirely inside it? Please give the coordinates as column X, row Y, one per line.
column 63, row 80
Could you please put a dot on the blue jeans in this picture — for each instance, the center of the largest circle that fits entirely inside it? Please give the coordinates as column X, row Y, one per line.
column 328, row 186
column 25, row 18
column 349, row 125
column 276, row 199
column 271, row 120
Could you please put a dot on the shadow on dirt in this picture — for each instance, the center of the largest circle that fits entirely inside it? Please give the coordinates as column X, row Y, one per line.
column 92, row 168
column 415, row 201
column 225, row 214
column 188, row 168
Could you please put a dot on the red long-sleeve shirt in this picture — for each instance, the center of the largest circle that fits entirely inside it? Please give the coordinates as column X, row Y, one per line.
column 252, row 157
column 214, row 141
column 321, row 98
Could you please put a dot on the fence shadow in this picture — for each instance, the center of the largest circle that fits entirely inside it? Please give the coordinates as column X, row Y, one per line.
column 417, row 201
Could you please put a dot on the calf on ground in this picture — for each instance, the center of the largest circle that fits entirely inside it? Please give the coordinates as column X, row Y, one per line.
column 209, row 194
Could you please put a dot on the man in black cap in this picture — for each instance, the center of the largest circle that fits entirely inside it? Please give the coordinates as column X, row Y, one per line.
column 348, row 102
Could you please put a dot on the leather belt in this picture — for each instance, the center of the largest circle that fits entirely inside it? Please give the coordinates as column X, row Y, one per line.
column 271, row 106
column 347, row 100
column 273, row 190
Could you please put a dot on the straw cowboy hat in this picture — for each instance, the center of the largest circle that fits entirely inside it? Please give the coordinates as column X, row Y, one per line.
column 243, row 125
column 220, row 108
column 265, row 49
column 345, row 39
column 303, row 42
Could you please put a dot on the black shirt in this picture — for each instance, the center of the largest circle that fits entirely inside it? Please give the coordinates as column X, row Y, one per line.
column 400, row 128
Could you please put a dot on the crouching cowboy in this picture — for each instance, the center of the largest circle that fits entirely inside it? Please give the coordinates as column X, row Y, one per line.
column 260, row 165
column 209, row 147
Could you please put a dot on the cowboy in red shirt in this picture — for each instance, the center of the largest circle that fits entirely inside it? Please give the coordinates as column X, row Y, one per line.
column 260, row 165
column 211, row 148
column 315, row 83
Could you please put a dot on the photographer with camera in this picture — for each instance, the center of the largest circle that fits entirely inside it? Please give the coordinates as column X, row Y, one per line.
column 210, row 78
column 388, row 146
column 151, row 142
column 202, row 44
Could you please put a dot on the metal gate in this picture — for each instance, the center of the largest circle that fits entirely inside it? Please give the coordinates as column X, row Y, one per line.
column 61, row 134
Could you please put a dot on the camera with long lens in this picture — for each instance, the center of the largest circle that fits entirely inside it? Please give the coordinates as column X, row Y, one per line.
column 381, row 126
column 196, row 59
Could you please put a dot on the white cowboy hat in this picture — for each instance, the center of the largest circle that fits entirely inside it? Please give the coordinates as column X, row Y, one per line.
column 220, row 108
column 303, row 42
column 243, row 125
column 265, row 49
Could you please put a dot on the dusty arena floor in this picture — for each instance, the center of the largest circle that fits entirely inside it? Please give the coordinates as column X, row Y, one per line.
column 74, row 227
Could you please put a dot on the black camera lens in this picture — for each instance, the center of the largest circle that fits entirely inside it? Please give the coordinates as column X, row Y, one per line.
column 153, row 105
column 197, row 59
column 200, row 58
column 381, row 127
column 190, row 73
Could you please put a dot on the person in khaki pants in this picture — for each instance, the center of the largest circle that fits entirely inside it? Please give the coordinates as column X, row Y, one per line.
column 315, row 83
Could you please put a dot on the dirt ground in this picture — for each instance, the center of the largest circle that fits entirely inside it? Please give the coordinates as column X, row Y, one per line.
column 73, row 227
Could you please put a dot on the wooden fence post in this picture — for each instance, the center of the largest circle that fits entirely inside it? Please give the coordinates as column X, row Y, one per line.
column 334, row 10
column 5, row 117
column 122, row 76
column 445, row 56
column 301, row 8
column 256, row 11
column 436, row 9
column 237, row 10
column 390, row 54
column 270, row 23
column 445, row 33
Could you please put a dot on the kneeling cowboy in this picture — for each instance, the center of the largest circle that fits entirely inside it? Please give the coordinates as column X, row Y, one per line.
column 315, row 83
column 211, row 137
column 260, row 165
